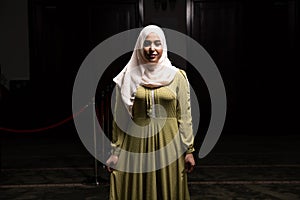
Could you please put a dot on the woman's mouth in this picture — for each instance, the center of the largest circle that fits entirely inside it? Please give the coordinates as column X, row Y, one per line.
column 152, row 56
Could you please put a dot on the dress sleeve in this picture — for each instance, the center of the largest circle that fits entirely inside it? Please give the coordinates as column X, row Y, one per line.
column 118, row 121
column 184, row 116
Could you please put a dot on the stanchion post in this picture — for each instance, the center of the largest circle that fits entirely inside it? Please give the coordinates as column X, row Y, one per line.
column 95, row 144
column 96, row 179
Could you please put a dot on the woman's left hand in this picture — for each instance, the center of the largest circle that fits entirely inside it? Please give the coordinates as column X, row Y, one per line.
column 189, row 162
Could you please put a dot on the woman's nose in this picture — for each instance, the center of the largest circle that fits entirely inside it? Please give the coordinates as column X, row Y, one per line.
column 152, row 47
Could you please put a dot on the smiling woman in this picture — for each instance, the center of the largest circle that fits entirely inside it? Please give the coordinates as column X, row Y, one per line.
column 152, row 48
column 156, row 95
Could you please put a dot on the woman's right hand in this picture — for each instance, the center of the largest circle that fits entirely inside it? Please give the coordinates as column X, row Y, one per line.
column 111, row 162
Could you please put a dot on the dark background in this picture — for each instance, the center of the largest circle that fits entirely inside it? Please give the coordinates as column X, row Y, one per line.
column 253, row 43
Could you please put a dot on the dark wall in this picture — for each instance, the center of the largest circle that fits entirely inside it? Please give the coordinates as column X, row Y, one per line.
column 61, row 35
column 254, row 46
column 253, row 43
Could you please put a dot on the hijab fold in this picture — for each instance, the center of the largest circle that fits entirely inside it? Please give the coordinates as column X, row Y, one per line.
column 139, row 72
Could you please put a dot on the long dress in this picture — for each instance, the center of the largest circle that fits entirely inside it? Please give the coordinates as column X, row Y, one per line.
column 169, row 182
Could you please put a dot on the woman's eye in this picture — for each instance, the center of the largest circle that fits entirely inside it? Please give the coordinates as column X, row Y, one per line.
column 147, row 43
column 157, row 43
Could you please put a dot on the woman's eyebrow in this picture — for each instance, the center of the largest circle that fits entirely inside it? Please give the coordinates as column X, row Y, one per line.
column 151, row 40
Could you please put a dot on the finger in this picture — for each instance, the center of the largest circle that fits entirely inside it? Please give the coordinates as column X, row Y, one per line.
column 109, row 169
column 191, row 168
column 187, row 167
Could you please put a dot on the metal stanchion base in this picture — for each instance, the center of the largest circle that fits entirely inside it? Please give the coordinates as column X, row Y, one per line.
column 96, row 181
column 101, row 177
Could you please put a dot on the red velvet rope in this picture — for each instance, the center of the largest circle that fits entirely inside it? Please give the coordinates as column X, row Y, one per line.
column 44, row 128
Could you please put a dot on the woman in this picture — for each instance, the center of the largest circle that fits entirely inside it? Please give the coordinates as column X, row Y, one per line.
column 156, row 96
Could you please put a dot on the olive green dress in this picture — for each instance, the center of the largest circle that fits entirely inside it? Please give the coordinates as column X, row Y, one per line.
column 169, row 182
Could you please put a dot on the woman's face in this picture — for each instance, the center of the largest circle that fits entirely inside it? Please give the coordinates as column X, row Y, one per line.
column 152, row 48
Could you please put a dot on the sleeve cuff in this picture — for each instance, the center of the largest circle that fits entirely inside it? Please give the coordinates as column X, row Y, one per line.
column 115, row 151
column 190, row 150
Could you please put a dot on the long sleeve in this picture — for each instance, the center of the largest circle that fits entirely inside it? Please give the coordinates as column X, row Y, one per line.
column 184, row 116
column 119, row 124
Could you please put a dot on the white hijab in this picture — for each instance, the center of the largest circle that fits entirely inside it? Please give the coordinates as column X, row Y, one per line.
column 140, row 72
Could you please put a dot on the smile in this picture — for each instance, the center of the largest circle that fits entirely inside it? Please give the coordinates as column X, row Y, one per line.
column 152, row 55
